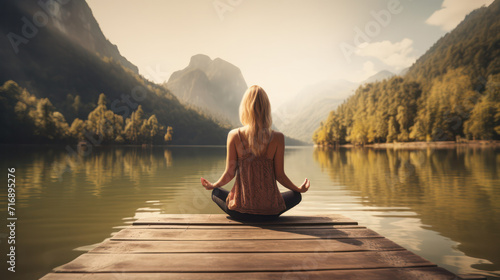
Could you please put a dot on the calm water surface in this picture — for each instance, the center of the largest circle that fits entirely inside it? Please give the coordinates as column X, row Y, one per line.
column 441, row 204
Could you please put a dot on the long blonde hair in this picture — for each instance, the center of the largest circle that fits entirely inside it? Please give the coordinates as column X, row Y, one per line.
column 255, row 112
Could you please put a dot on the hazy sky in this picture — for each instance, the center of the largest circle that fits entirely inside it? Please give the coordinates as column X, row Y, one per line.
column 282, row 45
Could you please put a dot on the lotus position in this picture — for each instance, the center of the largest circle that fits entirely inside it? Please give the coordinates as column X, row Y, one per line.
column 255, row 154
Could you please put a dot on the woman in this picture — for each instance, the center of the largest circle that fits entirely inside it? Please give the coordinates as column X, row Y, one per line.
column 255, row 154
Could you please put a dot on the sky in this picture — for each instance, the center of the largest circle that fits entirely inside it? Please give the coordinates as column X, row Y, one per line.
column 281, row 45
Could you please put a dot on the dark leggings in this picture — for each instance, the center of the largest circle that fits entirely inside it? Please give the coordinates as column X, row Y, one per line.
column 219, row 196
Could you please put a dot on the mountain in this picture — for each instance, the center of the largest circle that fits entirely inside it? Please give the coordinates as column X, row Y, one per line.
column 472, row 44
column 451, row 92
column 213, row 85
column 378, row 77
column 56, row 50
column 73, row 19
column 302, row 114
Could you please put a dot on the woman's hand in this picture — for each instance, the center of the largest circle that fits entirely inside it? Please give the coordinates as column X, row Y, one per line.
column 206, row 184
column 305, row 186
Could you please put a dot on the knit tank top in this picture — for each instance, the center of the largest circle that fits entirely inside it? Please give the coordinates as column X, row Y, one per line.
column 255, row 190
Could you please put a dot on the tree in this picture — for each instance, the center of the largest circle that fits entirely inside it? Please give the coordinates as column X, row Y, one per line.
column 60, row 124
column 154, row 127
column 42, row 118
column 104, row 124
column 77, row 129
column 381, row 127
column 484, row 121
column 404, row 122
column 133, row 125
column 392, row 130
column 169, row 134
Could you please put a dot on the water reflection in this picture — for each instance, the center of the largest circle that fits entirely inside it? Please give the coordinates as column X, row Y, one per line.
column 454, row 192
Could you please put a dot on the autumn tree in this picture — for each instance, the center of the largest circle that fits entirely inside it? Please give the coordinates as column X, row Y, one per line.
column 168, row 136
column 102, row 123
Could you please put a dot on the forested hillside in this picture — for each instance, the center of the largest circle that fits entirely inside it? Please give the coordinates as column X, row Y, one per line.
column 29, row 119
column 451, row 91
column 67, row 61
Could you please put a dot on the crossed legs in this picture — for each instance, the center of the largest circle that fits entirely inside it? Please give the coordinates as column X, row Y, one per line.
column 219, row 196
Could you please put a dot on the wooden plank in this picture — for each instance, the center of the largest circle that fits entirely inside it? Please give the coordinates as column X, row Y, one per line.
column 472, row 277
column 245, row 246
column 419, row 273
column 241, row 262
column 248, row 227
column 235, row 234
column 222, row 219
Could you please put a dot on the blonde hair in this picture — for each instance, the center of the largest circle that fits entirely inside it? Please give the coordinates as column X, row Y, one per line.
column 255, row 112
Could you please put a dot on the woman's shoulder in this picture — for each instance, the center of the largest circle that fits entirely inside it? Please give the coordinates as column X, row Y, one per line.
column 278, row 134
column 234, row 131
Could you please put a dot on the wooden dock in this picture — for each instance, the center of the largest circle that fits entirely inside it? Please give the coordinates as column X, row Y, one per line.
column 215, row 247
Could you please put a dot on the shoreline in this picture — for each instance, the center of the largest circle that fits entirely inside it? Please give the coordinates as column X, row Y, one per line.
column 395, row 145
column 422, row 145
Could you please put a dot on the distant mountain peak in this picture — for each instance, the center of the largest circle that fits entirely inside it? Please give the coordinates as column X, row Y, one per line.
column 215, row 85
column 200, row 61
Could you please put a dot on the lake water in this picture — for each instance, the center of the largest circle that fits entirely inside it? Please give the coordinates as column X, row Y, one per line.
column 442, row 204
